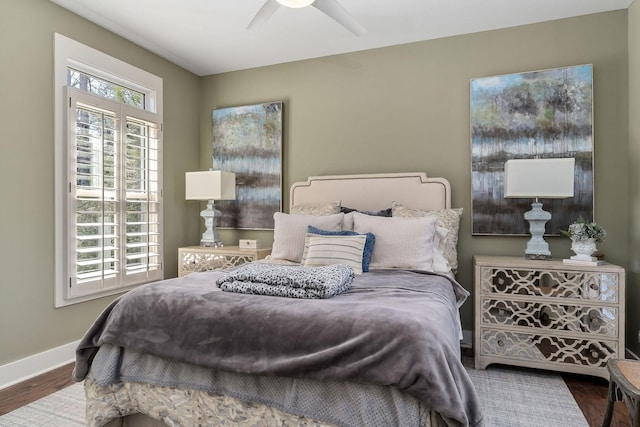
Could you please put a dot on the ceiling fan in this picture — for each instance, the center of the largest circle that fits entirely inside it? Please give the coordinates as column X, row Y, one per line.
column 331, row 8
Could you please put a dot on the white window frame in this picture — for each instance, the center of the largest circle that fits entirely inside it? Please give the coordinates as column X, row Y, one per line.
column 70, row 53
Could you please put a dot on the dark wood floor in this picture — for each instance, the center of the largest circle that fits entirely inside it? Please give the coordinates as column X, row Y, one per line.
column 28, row 391
column 590, row 394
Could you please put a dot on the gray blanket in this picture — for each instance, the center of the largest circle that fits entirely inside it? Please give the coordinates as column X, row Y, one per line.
column 292, row 281
column 396, row 328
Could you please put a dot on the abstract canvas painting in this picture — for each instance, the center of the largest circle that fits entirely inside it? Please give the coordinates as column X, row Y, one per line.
column 538, row 114
column 247, row 140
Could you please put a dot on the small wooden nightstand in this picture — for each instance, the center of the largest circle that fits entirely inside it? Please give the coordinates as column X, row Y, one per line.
column 203, row 258
column 548, row 315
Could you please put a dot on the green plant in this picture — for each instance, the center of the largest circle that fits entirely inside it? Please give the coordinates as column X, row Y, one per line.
column 581, row 230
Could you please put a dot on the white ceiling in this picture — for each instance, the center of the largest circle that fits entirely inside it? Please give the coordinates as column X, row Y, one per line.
column 210, row 36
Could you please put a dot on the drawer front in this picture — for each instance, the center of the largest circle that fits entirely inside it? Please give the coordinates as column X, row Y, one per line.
column 550, row 316
column 588, row 352
column 201, row 261
column 569, row 284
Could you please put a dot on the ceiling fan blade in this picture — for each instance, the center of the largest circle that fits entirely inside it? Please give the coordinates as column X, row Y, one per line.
column 268, row 8
column 334, row 10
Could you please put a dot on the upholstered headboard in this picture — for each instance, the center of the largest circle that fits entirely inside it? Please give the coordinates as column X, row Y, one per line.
column 373, row 191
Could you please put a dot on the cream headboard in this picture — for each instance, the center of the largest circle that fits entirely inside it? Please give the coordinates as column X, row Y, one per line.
column 373, row 192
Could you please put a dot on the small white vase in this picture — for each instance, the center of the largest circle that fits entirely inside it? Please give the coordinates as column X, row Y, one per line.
column 583, row 250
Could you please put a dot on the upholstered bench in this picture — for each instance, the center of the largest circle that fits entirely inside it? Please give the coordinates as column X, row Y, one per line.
column 624, row 384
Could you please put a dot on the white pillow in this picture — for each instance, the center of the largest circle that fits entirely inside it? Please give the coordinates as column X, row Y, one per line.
column 326, row 250
column 289, row 232
column 440, row 263
column 447, row 218
column 347, row 222
column 400, row 242
column 328, row 209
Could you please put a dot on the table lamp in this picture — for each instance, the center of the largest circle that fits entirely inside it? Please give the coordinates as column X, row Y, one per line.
column 211, row 186
column 538, row 178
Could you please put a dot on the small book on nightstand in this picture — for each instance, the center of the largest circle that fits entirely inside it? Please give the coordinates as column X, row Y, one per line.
column 580, row 262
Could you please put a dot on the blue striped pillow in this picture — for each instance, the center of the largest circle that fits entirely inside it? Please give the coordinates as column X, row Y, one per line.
column 368, row 246
column 327, row 250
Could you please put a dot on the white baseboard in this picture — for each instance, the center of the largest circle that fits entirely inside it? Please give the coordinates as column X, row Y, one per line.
column 37, row 364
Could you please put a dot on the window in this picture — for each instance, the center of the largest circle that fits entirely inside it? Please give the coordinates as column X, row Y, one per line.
column 108, row 175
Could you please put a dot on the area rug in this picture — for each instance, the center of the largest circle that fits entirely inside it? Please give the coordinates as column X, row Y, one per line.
column 64, row 408
column 525, row 398
column 510, row 398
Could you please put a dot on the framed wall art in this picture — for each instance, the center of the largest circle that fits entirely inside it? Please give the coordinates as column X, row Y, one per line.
column 247, row 140
column 537, row 114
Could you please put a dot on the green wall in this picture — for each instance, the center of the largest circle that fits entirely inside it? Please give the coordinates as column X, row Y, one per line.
column 633, row 268
column 29, row 323
column 406, row 108
column 403, row 108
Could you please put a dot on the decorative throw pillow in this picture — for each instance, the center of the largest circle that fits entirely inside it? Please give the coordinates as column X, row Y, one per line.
column 447, row 218
column 326, row 250
column 328, row 209
column 382, row 212
column 400, row 242
column 347, row 224
column 368, row 245
column 289, row 232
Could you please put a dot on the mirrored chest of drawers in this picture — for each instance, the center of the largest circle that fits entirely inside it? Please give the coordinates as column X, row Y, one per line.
column 548, row 315
column 203, row 258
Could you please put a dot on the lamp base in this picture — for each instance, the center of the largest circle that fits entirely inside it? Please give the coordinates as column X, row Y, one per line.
column 539, row 257
column 537, row 248
column 211, row 237
column 206, row 244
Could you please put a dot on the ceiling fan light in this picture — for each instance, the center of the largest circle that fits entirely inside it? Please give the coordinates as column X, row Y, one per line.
column 295, row 3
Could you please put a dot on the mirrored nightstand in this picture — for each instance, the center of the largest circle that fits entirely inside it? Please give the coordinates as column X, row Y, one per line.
column 202, row 258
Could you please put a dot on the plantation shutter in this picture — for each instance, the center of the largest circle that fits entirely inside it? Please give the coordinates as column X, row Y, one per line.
column 114, row 199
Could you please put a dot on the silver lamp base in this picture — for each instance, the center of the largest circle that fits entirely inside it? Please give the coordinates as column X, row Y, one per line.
column 537, row 248
column 211, row 237
column 542, row 257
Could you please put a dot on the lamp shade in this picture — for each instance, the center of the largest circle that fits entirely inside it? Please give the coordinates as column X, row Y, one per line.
column 210, row 185
column 544, row 178
column 295, row 3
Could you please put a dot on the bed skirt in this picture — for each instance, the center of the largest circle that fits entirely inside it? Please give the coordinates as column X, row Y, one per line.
column 178, row 407
column 146, row 405
column 123, row 382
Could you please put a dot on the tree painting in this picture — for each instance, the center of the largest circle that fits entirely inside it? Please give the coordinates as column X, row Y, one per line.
column 247, row 141
column 538, row 114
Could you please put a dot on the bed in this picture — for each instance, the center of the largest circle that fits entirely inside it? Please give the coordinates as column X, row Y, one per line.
column 371, row 340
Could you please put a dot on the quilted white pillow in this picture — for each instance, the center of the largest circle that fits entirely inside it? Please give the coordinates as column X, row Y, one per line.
column 290, row 230
column 400, row 242
column 447, row 218
column 326, row 250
